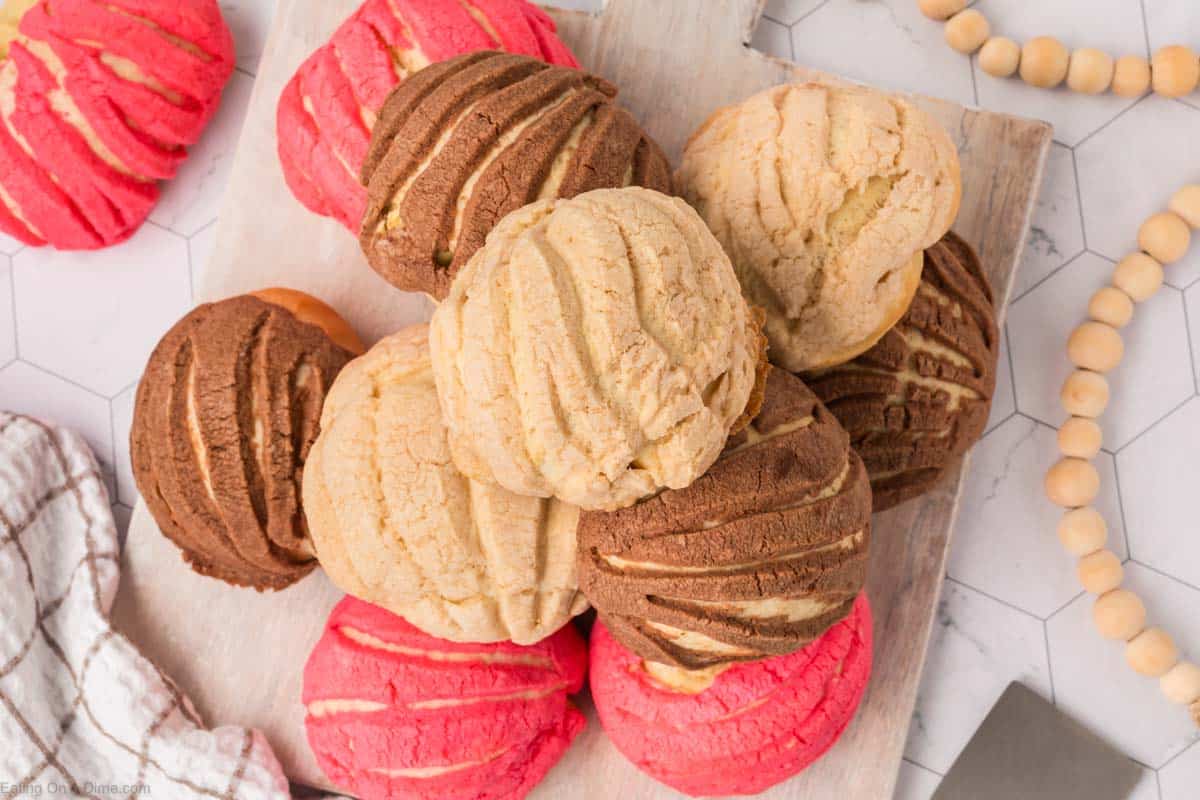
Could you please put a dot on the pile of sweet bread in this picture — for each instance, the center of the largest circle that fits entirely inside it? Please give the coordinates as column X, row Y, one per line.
column 674, row 396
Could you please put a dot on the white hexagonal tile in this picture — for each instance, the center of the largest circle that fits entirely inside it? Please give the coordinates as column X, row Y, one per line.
column 193, row 199
column 790, row 11
column 1192, row 304
column 916, row 782
column 249, row 20
column 1153, row 378
column 1129, row 170
column 110, row 306
column 9, row 245
column 1159, row 475
column 772, row 38
column 1004, row 543
column 1116, row 27
column 25, row 389
column 894, row 47
column 200, row 248
column 1171, row 22
column 8, row 323
column 1147, row 787
column 1180, row 778
column 122, row 420
column 1093, row 683
column 1004, row 401
column 979, row 646
column 1056, row 234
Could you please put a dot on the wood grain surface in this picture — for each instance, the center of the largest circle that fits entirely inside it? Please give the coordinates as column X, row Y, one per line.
column 239, row 655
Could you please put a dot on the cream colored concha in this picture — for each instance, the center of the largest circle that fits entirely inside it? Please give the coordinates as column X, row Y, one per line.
column 825, row 198
column 596, row 350
column 395, row 524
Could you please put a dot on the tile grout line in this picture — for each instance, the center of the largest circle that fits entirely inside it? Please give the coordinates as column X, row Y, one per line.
column 62, row 378
column 919, row 765
column 1166, row 575
column 1063, row 607
column 1056, row 270
column 1145, row 27
column 993, row 598
column 1121, row 509
column 1079, row 197
column 1103, row 127
column 1155, row 424
column 1187, row 327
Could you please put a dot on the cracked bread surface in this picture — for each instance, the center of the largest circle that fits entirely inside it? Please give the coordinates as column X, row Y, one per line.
column 596, row 349
column 824, row 198
column 224, row 417
column 396, row 524
column 466, row 141
column 99, row 102
column 757, row 558
column 921, row 397
column 328, row 108
column 392, row 712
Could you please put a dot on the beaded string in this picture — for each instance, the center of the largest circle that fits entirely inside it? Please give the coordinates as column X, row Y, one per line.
column 1046, row 62
column 1095, row 348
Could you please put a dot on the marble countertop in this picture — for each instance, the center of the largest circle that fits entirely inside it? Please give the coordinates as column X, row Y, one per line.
column 76, row 329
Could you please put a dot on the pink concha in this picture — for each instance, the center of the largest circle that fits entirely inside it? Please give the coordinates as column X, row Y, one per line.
column 758, row 724
column 396, row 713
column 98, row 102
column 327, row 110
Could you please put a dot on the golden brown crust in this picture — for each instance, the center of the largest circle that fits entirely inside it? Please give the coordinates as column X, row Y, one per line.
column 756, row 558
column 921, row 396
column 226, row 412
column 466, row 141
column 307, row 308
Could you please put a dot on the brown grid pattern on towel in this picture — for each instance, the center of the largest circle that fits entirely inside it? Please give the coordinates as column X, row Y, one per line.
column 58, row 716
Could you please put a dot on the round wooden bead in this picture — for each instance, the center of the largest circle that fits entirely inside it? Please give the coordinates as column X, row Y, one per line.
column 1176, row 71
column 1152, row 653
column 1084, row 393
column 1165, row 236
column 1082, row 531
column 1111, row 306
column 1000, row 57
column 1181, row 683
column 967, row 30
column 941, row 9
column 1090, row 71
column 1139, row 276
column 1186, row 203
column 1044, row 62
column 1119, row 614
column 1072, row 482
column 1131, row 76
column 1080, row 438
column 1100, row 572
column 1095, row 346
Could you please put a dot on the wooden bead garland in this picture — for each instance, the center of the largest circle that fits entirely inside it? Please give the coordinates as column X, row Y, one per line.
column 1096, row 347
column 1000, row 57
column 1111, row 306
column 1046, row 62
column 967, row 31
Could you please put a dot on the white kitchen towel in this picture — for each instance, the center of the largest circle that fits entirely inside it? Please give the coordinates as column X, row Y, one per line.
column 82, row 713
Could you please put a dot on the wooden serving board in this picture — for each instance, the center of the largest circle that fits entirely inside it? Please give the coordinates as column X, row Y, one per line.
column 239, row 655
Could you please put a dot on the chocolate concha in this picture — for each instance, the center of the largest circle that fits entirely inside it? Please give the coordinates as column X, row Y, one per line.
column 226, row 412
column 464, row 142
column 921, row 397
column 757, row 558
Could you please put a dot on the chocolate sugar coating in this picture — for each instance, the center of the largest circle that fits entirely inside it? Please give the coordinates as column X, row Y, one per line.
column 464, row 142
column 225, row 414
column 920, row 397
column 756, row 558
